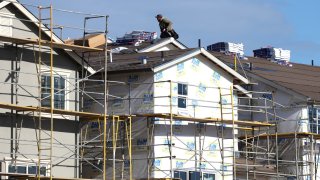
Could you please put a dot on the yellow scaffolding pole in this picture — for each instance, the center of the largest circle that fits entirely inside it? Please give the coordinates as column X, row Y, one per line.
column 234, row 135
column 222, row 135
column 129, row 141
column 40, row 92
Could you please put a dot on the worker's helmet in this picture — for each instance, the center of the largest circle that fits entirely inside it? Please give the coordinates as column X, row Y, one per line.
column 159, row 16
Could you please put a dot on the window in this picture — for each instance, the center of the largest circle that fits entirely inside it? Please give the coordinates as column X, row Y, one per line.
column 6, row 24
column 59, row 97
column 194, row 175
column 182, row 95
column 314, row 117
column 180, row 174
column 20, row 169
column 207, row 176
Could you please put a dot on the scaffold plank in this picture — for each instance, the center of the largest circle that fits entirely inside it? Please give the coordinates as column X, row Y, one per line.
column 47, row 110
column 92, row 116
column 208, row 120
column 48, row 43
column 31, row 176
column 283, row 135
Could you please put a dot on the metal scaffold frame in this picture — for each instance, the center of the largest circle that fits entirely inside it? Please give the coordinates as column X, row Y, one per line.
column 259, row 141
column 45, row 139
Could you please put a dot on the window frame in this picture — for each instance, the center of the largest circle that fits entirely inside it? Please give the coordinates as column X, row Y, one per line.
column 61, row 72
column 183, row 95
column 26, row 163
column 177, row 171
column 208, row 173
column 314, row 116
column 65, row 90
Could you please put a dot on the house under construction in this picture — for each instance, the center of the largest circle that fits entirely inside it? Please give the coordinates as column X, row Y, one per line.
column 71, row 111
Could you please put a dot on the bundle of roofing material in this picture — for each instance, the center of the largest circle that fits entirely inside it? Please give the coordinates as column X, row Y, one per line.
column 237, row 48
column 276, row 54
column 136, row 37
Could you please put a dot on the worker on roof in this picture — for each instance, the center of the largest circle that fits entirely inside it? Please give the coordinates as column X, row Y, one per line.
column 166, row 27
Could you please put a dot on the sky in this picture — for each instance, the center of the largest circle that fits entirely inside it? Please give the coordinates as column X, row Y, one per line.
column 287, row 24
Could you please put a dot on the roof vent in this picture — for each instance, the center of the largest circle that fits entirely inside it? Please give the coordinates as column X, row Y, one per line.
column 143, row 59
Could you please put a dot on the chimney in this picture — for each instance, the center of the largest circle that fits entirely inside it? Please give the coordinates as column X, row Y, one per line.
column 312, row 62
column 199, row 43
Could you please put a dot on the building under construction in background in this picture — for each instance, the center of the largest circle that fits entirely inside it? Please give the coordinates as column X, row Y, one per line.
column 87, row 109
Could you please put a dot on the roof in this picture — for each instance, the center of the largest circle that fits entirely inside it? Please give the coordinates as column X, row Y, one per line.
column 132, row 61
column 301, row 79
column 157, row 61
column 163, row 42
column 45, row 30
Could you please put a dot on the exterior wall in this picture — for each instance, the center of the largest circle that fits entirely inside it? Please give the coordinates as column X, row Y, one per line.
column 119, row 103
column 203, row 79
column 65, row 127
column 293, row 117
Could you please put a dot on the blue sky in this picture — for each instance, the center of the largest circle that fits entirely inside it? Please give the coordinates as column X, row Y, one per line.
column 289, row 24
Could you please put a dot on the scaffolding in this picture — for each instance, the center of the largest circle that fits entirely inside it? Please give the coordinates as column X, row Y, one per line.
column 253, row 152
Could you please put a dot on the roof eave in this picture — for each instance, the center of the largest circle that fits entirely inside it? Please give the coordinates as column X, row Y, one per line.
column 161, row 44
column 224, row 66
column 209, row 56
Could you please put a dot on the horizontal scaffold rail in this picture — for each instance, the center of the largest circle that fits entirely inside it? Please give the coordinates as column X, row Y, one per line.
column 31, row 176
column 283, row 135
column 208, row 120
column 48, row 43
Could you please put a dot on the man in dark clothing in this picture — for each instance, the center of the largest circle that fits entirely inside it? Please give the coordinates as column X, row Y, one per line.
column 166, row 27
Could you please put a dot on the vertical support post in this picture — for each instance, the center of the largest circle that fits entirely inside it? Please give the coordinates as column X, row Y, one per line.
column 246, row 152
column 312, row 163
column 148, row 148
column 222, row 134
column 51, row 90
column 268, row 131
column 40, row 92
column 105, row 103
column 296, row 155
column 114, row 143
column 235, row 62
column 277, row 155
column 130, row 146
column 276, row 132
column 77, row 129
column 171, row 130
column 234, row 136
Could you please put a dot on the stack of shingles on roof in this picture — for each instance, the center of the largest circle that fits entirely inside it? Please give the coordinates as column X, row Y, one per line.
column 300, row 78
column 133, row 61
